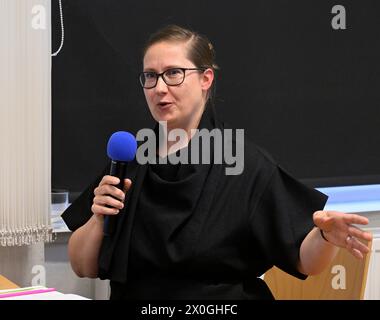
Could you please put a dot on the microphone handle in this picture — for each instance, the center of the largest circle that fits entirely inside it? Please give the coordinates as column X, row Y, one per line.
column 118, row 169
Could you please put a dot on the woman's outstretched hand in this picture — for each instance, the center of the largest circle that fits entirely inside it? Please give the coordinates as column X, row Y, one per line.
column 338, row 229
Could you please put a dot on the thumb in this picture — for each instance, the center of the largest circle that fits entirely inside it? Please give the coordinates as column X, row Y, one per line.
column 323, row 221
column 127, row 185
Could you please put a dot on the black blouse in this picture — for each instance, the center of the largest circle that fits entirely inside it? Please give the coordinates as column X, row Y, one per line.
column 192, row 232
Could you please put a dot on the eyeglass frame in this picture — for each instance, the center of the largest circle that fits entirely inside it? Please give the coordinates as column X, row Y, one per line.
column 158, row 75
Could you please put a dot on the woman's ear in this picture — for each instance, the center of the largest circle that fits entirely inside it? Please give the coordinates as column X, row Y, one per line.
column 207, row 79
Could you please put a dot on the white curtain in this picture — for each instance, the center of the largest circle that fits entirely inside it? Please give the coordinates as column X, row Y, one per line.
column 25, row 122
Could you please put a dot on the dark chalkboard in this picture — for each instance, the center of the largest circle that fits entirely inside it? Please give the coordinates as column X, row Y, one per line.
column 307, row 93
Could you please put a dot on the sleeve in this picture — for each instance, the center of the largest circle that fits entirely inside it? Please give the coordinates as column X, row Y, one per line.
column 79, row 212
column 283, row 217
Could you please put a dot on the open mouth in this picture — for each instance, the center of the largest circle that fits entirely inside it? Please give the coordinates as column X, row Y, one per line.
column 164, row 105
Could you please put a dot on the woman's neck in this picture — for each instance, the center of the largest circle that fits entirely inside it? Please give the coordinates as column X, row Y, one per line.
column 168, row 146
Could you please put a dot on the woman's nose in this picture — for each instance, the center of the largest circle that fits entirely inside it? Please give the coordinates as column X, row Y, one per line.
column 161, row 86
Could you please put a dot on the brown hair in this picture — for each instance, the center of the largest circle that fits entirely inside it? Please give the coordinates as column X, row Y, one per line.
column 200, row 50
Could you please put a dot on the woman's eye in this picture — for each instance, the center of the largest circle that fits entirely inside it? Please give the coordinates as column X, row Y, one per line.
column 173, row 72
column 150, row 75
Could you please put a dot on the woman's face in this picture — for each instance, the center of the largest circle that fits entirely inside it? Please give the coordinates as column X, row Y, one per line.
column 181, row 106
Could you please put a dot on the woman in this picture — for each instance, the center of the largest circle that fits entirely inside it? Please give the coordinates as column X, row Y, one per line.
column 188, row 230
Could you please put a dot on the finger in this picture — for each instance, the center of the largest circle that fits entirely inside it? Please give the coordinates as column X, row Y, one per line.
column 356, row 244
column 359, row 233
column 109, row 190
column 109, row 180
column 350, row 247
column 101, row 210
column 350, row 218
column 348, row 243
column 356, row 248
column 357, row 254
column 127, row 185
column 108, row 201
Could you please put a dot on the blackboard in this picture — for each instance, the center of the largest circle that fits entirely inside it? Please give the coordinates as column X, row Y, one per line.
column 304, row 91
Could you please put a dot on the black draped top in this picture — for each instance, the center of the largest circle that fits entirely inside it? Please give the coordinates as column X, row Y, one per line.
column 189, row 231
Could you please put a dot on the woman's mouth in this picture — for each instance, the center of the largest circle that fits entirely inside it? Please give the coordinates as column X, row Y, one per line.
column 164, row 105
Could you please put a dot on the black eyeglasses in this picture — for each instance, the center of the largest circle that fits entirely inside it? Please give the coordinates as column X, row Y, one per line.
column 172, row 77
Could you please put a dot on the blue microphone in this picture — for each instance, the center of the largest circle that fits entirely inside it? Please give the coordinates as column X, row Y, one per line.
column 121, row 149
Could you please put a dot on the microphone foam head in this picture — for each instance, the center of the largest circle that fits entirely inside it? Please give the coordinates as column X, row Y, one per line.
column 122, row 146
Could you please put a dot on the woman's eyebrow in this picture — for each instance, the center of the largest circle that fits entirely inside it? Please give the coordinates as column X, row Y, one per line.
column 149, row 70
column 174, row 66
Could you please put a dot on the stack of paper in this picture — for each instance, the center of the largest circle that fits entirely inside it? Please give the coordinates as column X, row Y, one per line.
column 37, row 293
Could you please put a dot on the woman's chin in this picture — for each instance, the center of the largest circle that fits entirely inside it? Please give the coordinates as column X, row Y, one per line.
column 164, row 117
